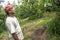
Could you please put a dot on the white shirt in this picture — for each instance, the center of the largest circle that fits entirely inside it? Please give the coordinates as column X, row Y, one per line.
column 13, row 26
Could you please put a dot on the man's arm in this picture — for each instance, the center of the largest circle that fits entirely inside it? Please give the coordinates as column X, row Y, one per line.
column 15, row 36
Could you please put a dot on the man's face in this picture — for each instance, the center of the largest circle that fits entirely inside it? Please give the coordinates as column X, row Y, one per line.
column 11, row 11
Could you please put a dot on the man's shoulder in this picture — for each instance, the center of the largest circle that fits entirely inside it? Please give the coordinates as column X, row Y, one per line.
column 15, row 17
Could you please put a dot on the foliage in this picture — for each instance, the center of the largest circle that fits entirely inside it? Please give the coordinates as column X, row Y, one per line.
column 52, row 5
column 2, row 20
column 31, row 9
column 54, row 26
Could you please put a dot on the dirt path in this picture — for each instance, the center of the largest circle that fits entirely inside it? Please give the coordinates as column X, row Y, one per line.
column 40, row 34
column 37, row 33
column 32, row 26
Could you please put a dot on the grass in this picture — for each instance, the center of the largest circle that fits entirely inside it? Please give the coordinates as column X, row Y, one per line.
column 30, row 26
column 4, row 35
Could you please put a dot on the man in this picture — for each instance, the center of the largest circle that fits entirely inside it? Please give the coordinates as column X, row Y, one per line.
column 15, row 32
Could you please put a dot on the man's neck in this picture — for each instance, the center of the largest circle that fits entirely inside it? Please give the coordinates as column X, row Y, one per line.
column 11, row 16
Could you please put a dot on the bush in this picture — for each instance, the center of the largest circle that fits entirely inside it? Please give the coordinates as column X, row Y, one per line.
column 32, row 9
column 54, row 26
column 2, row 20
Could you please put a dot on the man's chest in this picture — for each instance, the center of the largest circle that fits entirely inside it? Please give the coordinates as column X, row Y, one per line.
column 14, row 21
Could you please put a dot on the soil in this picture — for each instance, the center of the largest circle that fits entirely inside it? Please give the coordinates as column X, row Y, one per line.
column 40, row 34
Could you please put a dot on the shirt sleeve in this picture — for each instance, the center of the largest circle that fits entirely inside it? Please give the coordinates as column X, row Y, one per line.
column 10, row 27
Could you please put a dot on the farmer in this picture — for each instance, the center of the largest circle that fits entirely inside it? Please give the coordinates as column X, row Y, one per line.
column 14, row 29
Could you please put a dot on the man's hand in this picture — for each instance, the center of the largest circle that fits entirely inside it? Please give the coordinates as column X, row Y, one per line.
column 15, row 36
